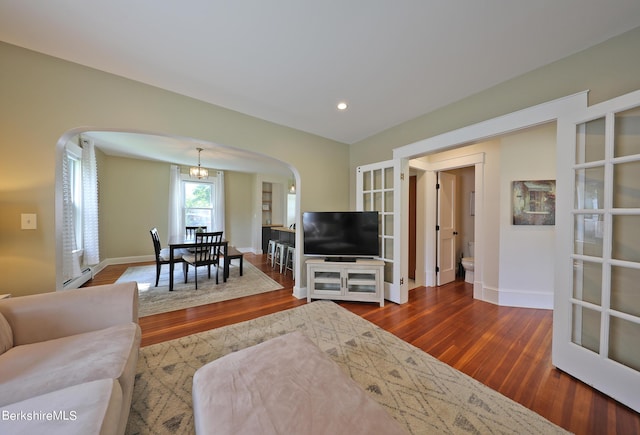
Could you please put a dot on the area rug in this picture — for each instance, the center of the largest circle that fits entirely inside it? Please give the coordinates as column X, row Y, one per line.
column 154, row 300
column 423, row 394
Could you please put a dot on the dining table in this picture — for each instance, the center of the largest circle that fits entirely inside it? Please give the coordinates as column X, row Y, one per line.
column 190, row 243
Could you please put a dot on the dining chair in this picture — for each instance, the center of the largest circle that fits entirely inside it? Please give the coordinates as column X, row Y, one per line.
column 206, row 252
column 190, row 232
column 162, row 254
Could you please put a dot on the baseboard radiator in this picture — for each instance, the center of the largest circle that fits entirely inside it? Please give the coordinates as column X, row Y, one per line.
column 76, row 282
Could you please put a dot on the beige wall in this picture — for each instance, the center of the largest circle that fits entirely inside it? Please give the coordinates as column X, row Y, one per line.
column 517, row 262
column 606, row 70
column 527, row 255
column 43, row 98
column 239, row 189
column 133, row 198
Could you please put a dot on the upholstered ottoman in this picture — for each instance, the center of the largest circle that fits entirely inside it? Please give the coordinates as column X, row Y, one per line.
column 286, row 385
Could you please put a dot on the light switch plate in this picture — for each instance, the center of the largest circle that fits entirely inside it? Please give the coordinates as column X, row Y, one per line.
column 29, row 221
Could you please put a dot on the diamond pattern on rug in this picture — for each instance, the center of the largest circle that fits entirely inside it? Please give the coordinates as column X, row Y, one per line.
column 423, row 394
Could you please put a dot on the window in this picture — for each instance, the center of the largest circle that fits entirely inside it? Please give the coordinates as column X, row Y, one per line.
column 198, row 204
column 79, row 188
column 195, row 203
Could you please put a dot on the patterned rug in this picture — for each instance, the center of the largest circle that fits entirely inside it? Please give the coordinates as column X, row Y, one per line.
column 425, row 395
column 154, row 300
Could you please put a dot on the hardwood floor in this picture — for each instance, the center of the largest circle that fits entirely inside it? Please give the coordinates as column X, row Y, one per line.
column 507, row 349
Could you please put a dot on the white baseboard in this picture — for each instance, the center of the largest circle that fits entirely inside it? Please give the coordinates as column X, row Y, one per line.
column 299, row 292
column 513, row 298
column 526, row 299
column 248, row 250
column 487, row 294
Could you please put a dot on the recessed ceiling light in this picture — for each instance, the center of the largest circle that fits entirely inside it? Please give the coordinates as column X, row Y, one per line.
column 342, row 105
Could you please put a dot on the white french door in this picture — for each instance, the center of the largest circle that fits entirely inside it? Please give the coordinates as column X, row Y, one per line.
column 446, row 228
column 596, row 334
column 383, row 187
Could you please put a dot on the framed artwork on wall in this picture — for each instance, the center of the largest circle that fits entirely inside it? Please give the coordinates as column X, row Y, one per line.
column 534, row 202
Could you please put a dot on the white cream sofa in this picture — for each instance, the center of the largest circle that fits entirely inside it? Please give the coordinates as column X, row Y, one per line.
column 68, row 360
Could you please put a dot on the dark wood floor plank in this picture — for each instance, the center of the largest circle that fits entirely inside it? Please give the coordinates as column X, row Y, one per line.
column 505, row 348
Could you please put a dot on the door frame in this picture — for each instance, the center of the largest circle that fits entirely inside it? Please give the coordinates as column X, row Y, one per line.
column 482, row 131
column 429, row 206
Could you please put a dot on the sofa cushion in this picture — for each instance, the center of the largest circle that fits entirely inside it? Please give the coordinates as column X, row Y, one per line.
column 6, row 335
column 39, row 368
column 89, row 408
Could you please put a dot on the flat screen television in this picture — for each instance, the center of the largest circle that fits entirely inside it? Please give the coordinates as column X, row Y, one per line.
column 341, row 235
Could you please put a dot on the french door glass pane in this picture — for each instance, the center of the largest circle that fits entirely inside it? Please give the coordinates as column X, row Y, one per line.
column 377, row 201
column 366, row 181
column 625, row 290
column 626, row 238
column 627, row 137
column 388, row 248
column 586, row 328
column 388, row 178
column 388, row 201
column 590, row 141
column 388, row 271
column 367, row 202
column 590, row 188
column 588, row 232
column 377, row 179
column 587, row 282
column 626, row 185
column 388, row 225
column 623, row 342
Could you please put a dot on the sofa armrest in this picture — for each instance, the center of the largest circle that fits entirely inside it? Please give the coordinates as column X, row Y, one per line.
column 47, row 316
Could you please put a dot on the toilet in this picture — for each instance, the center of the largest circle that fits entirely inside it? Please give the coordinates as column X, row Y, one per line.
column 467, row 264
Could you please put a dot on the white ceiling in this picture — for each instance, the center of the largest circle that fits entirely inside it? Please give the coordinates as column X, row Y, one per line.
column 292, row 61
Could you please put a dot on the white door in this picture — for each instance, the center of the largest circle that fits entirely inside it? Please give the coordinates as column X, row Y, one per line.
column 596, row 333
column 446, row 228
column 383, row 187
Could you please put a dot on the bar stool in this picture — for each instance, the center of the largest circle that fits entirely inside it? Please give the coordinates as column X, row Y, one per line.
column 280, row 254
column 271, row 253
column 289, row 263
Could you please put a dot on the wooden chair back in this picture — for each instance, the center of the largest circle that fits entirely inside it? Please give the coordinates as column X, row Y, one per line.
column 156, row 243
column 207, row 248
column 190, row 232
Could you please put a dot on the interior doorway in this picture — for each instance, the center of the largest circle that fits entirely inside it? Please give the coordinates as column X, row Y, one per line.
column 466, row 163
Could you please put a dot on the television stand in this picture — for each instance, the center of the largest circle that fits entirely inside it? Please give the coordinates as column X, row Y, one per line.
column 360, row 280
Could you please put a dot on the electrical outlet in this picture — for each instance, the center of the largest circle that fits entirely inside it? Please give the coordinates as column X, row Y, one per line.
column 29, row 221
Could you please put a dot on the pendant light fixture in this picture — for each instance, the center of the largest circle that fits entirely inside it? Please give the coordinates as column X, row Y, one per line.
column 198, row 172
